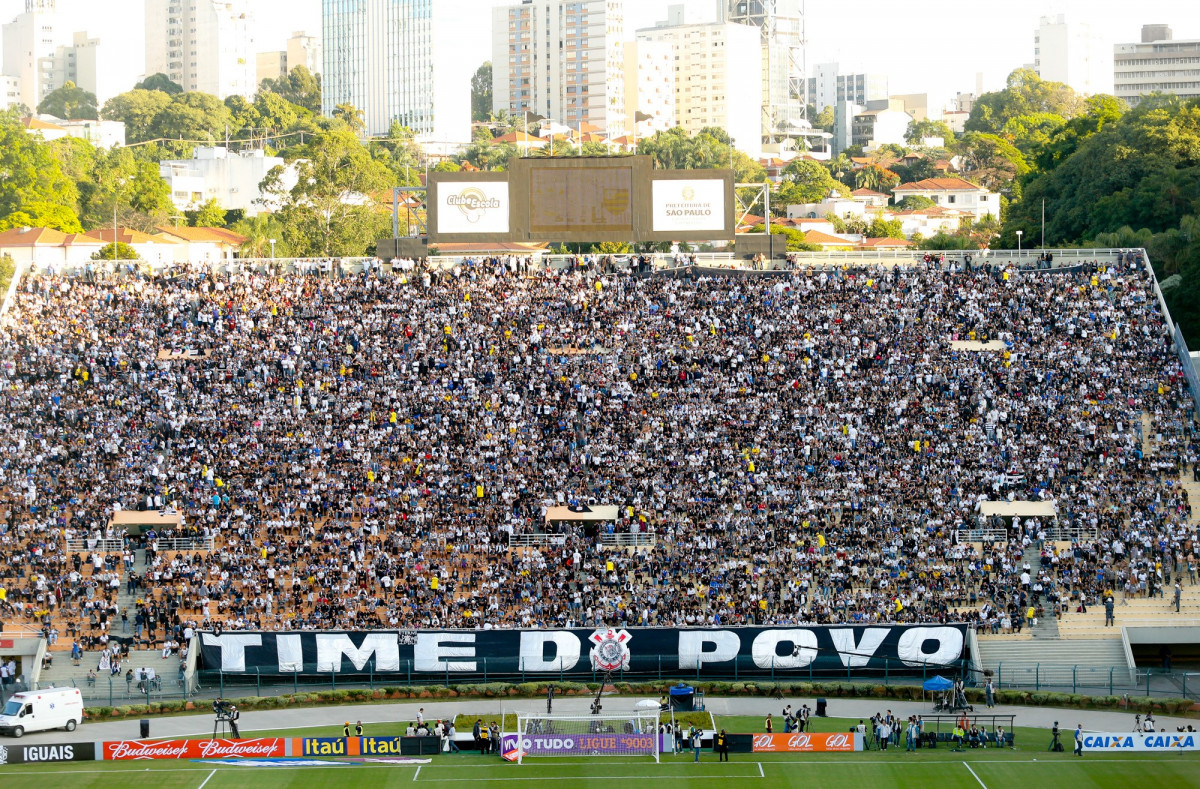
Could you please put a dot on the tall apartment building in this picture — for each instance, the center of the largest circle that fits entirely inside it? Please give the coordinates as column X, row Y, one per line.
column 302, row 50
column 1157, row 64
column 1072, row 53
column 718, row 79
column 29, row 39
column 91, row 65
column 827, row 87
column 204, row 45
column 780, row 25
column 399, row 60
column 650, row 86
column 562, row 59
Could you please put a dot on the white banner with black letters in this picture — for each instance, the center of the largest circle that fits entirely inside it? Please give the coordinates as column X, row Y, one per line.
column 747, row 651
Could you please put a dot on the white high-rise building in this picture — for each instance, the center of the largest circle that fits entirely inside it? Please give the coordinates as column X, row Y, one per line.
column 304, row 50
column 1158, row 64
column 827, row 87
column 30, row 38
column 1073, row 53
column 649, row 86
column 562, row 59
column 718, row 79
column 90, row 64
column 204, row 45
column 399, row 60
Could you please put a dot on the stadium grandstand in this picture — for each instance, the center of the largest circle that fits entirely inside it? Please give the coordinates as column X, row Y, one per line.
column 409, row 446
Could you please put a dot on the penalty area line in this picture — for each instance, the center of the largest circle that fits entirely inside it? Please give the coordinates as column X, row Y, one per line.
column 206, row 780
column 977, row 778
column 418, row 772
column 531, row 779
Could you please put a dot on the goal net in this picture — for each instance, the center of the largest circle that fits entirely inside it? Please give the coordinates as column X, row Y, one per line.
column 612, row 734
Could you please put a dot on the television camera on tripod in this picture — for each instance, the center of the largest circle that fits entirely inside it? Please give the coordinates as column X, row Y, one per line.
column 227, row 716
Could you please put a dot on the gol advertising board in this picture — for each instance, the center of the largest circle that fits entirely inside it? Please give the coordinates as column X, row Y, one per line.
column 807, row 742
column 41, row 754
column 472, row 207
column 1155, row 742
column 195, row 749
column 688, row 206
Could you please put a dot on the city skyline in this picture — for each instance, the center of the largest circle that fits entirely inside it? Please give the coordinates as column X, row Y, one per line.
column 918, row 53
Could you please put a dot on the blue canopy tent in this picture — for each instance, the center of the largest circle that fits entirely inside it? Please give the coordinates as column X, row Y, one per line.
column 681, row 697
column 937, row 683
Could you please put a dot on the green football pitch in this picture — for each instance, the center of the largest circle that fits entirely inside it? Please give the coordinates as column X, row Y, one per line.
column 1029, row 766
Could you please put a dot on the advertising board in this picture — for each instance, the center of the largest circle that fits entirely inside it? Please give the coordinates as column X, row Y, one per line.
column 1137, row 743
column 807, row 742
column 39, row 754
column 473, row 207
column 687, row 206
column 195, row 749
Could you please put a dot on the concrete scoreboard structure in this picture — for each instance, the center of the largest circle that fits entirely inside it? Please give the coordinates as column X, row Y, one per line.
column 581, row 199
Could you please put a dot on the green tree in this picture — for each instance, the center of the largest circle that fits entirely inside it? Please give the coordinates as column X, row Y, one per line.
column 1030, row 133
column 481, row 92
column 914, row 203
column 991, row 161
column 70, row 102
column 806, row 181
column 210, row 214
column 330, row 211
column 876, row 178
column 1025, row 94
column 8, row 268
column 1100, row 111
column 884, row 228
column 488, row 155
column 259, row 230
column 299, row 87
column 193, row 116
column 795, row 238
column 160, row 82
column 919, row 130
column 118, row 251
column 350, row 115
column 32, row 183
column 138, row 109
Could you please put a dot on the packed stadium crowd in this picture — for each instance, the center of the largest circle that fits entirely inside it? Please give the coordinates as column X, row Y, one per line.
column 804, row 447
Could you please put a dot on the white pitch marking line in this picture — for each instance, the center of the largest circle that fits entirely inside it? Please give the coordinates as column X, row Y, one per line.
column 418, row 772
column 977, row 778
column 761, row 774
column 206, row 780
column 570, row 778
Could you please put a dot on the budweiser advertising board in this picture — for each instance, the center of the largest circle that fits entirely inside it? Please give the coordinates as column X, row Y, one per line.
column 195, row 749
column 805, row 742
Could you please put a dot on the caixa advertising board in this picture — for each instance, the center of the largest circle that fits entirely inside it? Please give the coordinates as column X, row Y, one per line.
column 41, row 754
column 1154, row 742
column 807, row 742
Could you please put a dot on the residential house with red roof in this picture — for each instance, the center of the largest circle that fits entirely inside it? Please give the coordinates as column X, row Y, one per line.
column 954, row 193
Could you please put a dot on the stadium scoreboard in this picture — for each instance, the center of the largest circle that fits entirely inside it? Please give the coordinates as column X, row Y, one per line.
column 581, row 199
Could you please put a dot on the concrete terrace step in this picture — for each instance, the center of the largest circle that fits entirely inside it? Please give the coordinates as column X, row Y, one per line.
column 1057, row 662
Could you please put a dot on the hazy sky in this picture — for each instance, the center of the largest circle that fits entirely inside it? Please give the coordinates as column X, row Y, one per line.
column 936, row 45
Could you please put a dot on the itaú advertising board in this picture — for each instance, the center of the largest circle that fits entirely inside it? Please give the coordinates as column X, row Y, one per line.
column 472, row 207
column 807, row 742
column 692, row 205
column 1125, row 741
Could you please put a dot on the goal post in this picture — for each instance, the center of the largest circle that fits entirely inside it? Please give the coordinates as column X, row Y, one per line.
column 633, row 733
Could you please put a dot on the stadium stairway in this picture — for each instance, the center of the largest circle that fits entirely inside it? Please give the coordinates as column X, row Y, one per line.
column 1062, row 663
column 65, row 675
column 1047, row 626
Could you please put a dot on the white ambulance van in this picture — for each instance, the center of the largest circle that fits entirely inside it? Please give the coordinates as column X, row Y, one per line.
column 39, row 710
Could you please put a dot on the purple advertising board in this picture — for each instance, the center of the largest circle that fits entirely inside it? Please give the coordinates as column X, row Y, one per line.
column 579, row 744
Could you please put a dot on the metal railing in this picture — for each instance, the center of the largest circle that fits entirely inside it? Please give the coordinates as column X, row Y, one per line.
column 116, row 545
column 1093, row 680
column 630, row 540
column 538, row 540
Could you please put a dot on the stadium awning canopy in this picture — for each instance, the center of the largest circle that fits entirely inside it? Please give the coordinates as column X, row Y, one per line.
column 602, row 512
column 1023, row 509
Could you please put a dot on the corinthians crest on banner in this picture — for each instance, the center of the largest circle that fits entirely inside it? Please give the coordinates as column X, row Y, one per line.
column 611, row 652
